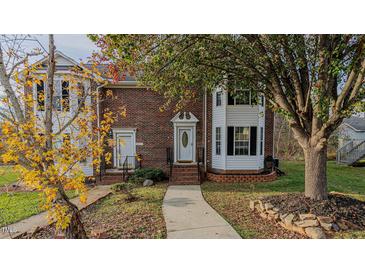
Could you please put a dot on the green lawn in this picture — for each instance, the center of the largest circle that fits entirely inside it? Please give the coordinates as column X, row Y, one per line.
column 231, row 200
column 16, row 206
column 7, row 175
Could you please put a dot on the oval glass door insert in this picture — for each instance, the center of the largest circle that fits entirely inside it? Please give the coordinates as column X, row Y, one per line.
column 185, row 139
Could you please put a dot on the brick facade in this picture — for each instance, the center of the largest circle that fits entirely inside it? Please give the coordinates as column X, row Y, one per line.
column 153, row 127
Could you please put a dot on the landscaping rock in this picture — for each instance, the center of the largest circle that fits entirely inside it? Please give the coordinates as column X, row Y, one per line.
column 335, row 227
column 282, row 216
column 298, row 229
column 253, row 204
column 268, row 206
column 99, row 234
column 275, row 209
column 342, row 225
column 307, row 216
column 263, row 215
column 148, row 182
column 261, row 206
column 315, row 233
column 325, row 222
column 288, row 219
column 307, row 223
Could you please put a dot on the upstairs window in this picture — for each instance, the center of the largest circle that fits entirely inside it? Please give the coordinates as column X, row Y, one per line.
column 218, row 141
column 65, row 96
column 218, row 99
column 61, row 98
column 244, row 97
column 40, row 96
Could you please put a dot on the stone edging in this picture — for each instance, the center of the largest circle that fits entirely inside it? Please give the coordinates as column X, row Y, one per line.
column 307, row 224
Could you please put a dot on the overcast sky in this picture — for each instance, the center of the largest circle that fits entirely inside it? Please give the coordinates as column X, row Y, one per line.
column 76, row 46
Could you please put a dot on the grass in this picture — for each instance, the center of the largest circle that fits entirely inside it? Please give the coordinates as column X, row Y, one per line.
column 231, row 200
column 113, row 217
column 140, row 219
column 16, row 206
column 7, row 175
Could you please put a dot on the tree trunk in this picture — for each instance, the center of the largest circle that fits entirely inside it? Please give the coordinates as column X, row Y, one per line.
column 75, row 230
column 316, row 172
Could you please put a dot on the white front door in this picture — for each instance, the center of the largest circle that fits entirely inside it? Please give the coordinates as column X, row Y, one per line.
column 124, row 148
column 185, row 145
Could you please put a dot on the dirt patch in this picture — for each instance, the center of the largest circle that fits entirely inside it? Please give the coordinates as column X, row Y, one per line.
column 341, row 208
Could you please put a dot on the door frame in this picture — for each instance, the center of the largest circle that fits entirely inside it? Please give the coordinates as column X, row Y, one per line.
column 123, row 132
column 184, row 120
column 191, row 129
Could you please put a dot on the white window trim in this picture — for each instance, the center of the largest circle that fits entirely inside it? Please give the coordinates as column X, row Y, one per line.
column 220, row 141
column 234, row 141
column 234, row 100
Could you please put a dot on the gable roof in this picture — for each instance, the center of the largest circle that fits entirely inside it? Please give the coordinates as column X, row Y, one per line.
column 356, row 123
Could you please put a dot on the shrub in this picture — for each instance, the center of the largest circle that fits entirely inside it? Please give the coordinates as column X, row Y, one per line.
column 126, row 188
column 154, row 174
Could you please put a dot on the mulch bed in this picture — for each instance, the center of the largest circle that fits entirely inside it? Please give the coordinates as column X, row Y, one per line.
column 343, row 209
column 234, row 208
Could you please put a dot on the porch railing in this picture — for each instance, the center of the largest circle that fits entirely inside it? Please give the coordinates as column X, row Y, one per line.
column 351, row 152
column 170, row 160
column 200, row 161
column 130, row 163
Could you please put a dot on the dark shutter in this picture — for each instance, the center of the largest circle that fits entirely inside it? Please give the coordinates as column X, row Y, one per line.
column 253, row 140
column 230, row 140
column 230, row 99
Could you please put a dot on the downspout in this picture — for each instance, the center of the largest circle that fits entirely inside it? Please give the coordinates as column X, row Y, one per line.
column 205, row 130
column 98, row 121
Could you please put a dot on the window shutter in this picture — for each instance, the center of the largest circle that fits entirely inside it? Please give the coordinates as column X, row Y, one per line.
column 230, row 99
column 230, row 140
column 253, row 140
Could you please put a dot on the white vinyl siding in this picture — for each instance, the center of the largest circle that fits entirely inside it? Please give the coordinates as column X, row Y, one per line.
column 236, row 116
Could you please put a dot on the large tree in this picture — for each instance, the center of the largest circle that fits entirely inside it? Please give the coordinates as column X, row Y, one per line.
column 313, row 80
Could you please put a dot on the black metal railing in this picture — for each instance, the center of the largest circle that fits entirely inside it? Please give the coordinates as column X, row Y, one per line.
column 130, row 163
column 170, row 160
column 200, row 161
column 102, row 167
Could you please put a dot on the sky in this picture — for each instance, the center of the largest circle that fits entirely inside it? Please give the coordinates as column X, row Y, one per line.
column 76, row 46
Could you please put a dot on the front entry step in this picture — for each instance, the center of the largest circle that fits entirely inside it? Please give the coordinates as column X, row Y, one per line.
column 184, row 175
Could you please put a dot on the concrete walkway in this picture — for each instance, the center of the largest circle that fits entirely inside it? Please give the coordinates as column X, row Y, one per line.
column 188, row 216
column 40, row 220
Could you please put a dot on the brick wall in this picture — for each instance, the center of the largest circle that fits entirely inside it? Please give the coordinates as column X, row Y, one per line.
column 269, row 132
column 240, row 178
column 153, row 127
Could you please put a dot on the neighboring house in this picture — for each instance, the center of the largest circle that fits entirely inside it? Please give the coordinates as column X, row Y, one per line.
column 351, row 129
column 229, row 137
